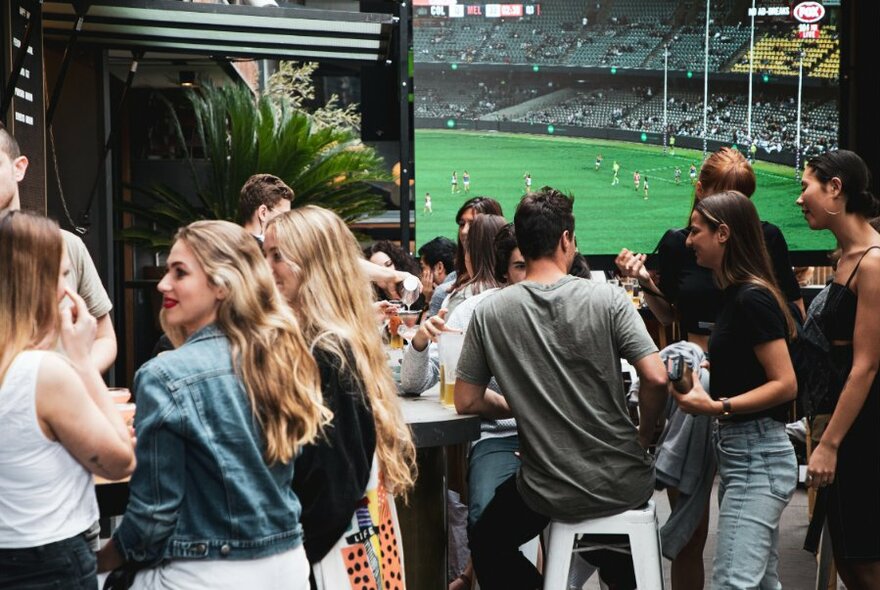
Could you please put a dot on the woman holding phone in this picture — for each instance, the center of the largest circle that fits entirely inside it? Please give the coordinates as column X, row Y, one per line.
column 752, row 383
column 687, row 293
column 58, row 425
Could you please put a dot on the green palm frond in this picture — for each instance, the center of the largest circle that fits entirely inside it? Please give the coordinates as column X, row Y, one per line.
column 245, row 135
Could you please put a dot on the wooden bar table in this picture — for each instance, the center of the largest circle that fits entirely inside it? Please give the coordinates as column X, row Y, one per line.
column 423, row 521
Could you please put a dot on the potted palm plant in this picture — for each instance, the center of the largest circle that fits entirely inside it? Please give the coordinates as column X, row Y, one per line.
column 244, row 135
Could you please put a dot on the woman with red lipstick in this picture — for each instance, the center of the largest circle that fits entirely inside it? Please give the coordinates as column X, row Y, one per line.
column 220, row 420
column 752, row 384
column 845, row 465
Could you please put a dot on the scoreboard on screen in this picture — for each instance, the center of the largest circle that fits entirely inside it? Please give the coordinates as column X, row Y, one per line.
column 452, row 9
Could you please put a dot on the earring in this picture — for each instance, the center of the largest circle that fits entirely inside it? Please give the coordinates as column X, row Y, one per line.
column 832, row 212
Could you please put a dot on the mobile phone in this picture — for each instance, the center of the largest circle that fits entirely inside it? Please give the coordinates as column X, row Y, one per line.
column 675, row 367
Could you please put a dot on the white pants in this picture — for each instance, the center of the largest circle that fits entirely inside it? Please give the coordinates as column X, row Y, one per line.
column 285, row 571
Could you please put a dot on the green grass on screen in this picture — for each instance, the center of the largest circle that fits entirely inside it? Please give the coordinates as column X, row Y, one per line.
column 607, row 217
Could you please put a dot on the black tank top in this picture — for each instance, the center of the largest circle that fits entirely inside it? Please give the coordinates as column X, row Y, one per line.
column 839, row 313
column 837, row 319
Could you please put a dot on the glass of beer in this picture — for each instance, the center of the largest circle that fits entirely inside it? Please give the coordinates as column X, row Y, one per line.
column 395, row 340
column 127, row 412
column 449, row 344
column 120, row 395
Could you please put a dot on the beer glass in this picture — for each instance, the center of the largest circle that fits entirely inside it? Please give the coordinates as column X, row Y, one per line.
column 449, row 345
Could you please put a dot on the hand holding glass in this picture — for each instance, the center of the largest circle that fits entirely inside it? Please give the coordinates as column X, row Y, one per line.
column 409, row 326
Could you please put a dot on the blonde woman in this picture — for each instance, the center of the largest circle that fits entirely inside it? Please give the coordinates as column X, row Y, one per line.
column 220, row 420
column 311, row 253
column 58, row 426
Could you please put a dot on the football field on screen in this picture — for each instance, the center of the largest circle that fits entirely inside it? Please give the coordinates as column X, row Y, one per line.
column 607, row 218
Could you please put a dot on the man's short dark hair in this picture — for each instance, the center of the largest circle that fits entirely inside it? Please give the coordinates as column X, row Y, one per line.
column 261, row 189
column 541, row 219
column 8, row 144
column 439, row 249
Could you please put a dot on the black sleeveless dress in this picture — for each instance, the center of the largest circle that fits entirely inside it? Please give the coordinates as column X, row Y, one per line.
column 852, row 502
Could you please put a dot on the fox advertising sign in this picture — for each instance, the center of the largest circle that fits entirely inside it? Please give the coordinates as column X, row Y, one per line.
column 809, row 12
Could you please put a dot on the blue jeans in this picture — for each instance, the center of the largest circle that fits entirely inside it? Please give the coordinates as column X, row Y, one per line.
column 758, row 473
column 67, row 564
column 491, row 463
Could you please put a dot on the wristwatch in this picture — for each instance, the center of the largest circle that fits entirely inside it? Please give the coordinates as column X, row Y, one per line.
column 726, row 410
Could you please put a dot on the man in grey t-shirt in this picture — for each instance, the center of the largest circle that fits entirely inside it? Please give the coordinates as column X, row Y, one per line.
column 554, row 344
column 83, row 277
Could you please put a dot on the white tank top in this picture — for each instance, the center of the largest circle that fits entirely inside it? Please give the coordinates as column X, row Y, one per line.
column 45, row 494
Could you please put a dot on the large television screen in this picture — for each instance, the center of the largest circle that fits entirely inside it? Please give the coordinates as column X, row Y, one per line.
column 562, row 92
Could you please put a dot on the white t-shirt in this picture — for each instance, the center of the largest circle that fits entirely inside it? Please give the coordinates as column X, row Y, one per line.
column 47, row 495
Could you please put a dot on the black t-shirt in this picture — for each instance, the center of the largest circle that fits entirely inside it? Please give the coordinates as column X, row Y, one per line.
column 692, row 290
column 331, row 476
column 749, row 316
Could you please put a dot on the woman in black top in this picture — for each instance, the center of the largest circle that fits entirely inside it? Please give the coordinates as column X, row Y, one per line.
column 845, row 465
column 687, row 290
column 310, row 250
column 752, row 383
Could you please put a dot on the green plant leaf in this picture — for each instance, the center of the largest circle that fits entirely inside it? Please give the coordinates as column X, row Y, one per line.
column 244, row 135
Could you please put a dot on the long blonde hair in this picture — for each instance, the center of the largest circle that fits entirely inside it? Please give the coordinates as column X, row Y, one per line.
column 341, row 320
column 30, row 262
column 268, row 350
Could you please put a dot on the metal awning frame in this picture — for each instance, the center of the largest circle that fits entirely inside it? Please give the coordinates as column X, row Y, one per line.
column 220, row 30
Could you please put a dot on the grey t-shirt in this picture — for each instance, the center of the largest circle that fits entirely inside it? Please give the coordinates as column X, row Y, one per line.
column 83, row 277
column 555, row 351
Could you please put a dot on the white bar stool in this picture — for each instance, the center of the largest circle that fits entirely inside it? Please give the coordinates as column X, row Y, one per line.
column 639, row 525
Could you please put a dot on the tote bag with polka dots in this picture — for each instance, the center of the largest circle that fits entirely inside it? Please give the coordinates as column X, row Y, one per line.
column 369, row 555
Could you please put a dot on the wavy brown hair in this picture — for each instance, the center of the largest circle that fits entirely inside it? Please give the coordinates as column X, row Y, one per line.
column 745, row 259
column 30, row 262
column 268, row 350
column 342, row 322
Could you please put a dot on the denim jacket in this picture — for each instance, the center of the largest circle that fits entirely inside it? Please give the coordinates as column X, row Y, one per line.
column 201, row 489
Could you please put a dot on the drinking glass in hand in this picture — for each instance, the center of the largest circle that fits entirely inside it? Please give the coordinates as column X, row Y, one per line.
column 409, row 324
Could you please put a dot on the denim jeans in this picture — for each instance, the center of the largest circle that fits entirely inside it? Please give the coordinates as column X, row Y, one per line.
column 68, row 564
column 758, row 475
column 491, row 463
